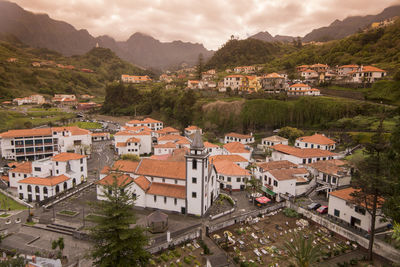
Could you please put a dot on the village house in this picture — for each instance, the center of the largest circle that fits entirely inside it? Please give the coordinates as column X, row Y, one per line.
column 233, row 81
column 189, row 186
column 319, row 141
column 64, row 100
column 86, row 96
column 301, row 156
column 165, row 149
column 207, row 76
column 260, row 172
column 236, row 148
column 213, row 149
column 330, row 175
column 319, row 67
column 32, row 144
column 309, row 75
column 250, row 84
column 245, row 69
column 301, row 89
column 51, row 176
column 273, row 83
column 166, row 78
column 153, row 124
column 238, row 160
column 345, row 70
column 87, row 106
column 193, row 84
column 241, row 138
column 231, row 176
column 179, row 140
column 12, row 60
column 135, row 78
column 343, row 207
column 166, row 131
column 100, row 136
column 33, row 99
column 367, row 74
column 273, row 140
column 191, row 130
column 133, row 140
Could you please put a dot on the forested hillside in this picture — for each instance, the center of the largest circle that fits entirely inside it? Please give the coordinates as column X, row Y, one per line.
column 20, row 78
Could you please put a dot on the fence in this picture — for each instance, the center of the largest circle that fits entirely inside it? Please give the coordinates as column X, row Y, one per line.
column 242, row 217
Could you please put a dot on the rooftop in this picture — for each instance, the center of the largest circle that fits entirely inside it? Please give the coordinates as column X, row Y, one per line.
column 48, row 181
column 303, row 153
column 167, row 190
column 236, row 147
column 241, row 136
column 230, row 168
column 162, row 168
column 119, row 178
column 287, row 174
column 273, row 165
column 316, row 139
column 65, row 156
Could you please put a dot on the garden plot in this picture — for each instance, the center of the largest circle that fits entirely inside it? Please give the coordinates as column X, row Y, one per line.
column 260, row 242
column 189, row 254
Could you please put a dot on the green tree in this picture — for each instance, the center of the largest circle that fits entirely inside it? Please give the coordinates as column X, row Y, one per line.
column 301, row 251
column 200, row 66
column 372, row 180
column 290, row 133
column 60, row 244
column 116, row 243
column 13, row 262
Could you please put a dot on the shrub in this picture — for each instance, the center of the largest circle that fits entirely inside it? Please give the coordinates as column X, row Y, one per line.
column 236, row 259
column 164, row 257
column 196, row 262
column 291, row 213
column 187, row 260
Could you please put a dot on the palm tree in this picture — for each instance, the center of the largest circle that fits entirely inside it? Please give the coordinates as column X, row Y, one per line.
column 301, row 251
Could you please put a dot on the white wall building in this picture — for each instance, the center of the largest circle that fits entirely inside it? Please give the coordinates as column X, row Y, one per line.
column 164, row 149
column 153, row 124
column 32, row 144
column 189, row 186
column 300, row 89
column 241, row 138
column 319, row 141
column 52, row 176
column 367, row 74
column 233, row 81
column 230, row 175
column 191, row 130
column 273, row 140
column 301, row 156
column 236, row 148
column 213, row 149
column 342, row 206
column 133, row 141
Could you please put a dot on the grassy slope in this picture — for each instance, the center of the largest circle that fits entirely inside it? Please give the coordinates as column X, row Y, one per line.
column 21, row 78
column 8, row 203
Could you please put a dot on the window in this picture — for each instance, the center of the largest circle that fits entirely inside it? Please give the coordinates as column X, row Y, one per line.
column 194, row 164
column 134, row 196
column 165, row 199
column 29, row 188
column 20, row 187
column 229, row 179
column 333, row 180
column 175, row 201
column 163, row 180
column 44, row 190
column 82, row 169
column 25, row 175
column 109, row 191
column 194, row 180
column 238, row 179
column 155, row 198
column 269, row 180
column 275, row 183
column 194, row 195
column 81, row 161
column 38, row 169
column 336, row 213
column 176, row 181
column 360, row 210
column 304, row 161
column 57, row 171
column 13, row 175
column 56, row 163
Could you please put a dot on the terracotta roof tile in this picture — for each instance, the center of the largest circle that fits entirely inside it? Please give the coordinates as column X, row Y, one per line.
column 332, row 167
column 316, row 139
column 299, row 85
column 226, row 167
column 48, row 181
column 232, row 158
column 167, row 130
column 287, row 174
column 166, row 145
column 241, row 136
column 274, row 165
column 303, row 153
column 236, row 147
column 121, row 179
column 125, row 166
column 162, row 168
column 192, row 128
column 27, row 132
column 5, row 178
column 65, row 156
column 171, row 137
column 24, row 167
column 168, row 190
column 275, row 138
column 210, row 145
column 142, row 182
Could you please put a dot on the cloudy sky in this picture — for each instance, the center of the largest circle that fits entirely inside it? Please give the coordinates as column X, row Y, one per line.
column 210, row 22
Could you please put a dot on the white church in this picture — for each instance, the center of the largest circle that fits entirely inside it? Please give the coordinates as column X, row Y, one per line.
column 188, row 186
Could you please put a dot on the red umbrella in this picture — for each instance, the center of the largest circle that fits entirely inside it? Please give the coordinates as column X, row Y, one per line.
column 263, row 200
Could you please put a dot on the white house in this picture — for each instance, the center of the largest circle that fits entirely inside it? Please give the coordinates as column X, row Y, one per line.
column 273, row 140
column 367, row 74
column 185, row 186
column 213, row 149
column 191, row 130
column 260, row 172
column 330, row 175
column 166, row 131
column 230, row 175
column 319, row 141
column 241, row 138
column 301, row 156
column 135, row 140
column 300, row 89
column 32, row 144
column 135, row 78
column 236, row 148
column 22, row 170
column 309, row 74
column 233, row 81
column 130, row 146
column 345, row 70
column 33, row 99
column 245, row 69
column 238, row 160
column 100, row 136
column 153, row 124
column 343, row 207
column 52, row 176
column 164, row 149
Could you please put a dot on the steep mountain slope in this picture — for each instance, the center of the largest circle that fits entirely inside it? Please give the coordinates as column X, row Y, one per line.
column 39, row 30
column 20, row 78
column 340, row 29
column 267, row 37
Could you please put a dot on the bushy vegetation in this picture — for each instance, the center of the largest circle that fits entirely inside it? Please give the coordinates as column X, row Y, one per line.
column 20, row 78
column 291, row 213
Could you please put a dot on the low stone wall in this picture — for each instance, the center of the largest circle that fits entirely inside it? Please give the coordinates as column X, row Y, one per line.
column 175, row 241
column 380, row 248
column 242, row 217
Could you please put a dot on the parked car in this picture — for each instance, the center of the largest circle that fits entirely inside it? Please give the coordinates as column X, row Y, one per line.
column 323, row 209
column 313, row 206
